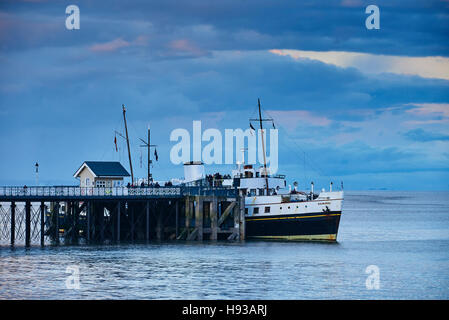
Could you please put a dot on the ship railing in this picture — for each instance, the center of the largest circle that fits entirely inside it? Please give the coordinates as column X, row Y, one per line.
column 208, row 182
column 275, row 176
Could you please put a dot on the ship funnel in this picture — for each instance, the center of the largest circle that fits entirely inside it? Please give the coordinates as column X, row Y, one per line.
column 194, row 170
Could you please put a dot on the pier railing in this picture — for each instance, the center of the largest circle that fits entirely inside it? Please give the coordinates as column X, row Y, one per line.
column 86, row 192
column 72, row 191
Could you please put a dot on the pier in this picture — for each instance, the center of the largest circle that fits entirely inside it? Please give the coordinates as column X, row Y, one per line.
column 72, row 215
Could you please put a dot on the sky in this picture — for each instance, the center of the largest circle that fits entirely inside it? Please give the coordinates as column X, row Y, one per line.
column 366, row 107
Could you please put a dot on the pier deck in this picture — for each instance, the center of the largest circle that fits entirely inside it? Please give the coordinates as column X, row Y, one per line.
column 110, row 215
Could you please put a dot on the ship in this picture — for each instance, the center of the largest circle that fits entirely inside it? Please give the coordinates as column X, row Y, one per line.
column 281, row 213
column 277, row 212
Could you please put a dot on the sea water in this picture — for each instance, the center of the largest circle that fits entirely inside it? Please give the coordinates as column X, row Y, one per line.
column 391, row 245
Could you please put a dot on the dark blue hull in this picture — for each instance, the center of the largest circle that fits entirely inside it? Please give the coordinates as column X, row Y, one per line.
column 320, row 226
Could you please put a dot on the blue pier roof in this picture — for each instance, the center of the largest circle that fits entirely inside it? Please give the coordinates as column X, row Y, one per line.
column 105, row 169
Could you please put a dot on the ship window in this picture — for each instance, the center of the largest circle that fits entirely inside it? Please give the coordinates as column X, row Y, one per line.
column 280, row 208
column 267, row 209
column 256, row 210
column 246, row 210
column 289, row 207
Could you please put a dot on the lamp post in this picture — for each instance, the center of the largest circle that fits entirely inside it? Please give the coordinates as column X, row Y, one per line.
column 37, row 173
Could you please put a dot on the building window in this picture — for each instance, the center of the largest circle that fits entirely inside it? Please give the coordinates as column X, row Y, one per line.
column 256, row 210
column 267, row 209
column 246, row 210
column 87, row 182
column 100, row 184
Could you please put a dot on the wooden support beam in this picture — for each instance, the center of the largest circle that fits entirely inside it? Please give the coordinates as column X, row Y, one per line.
column 213, row 218
column 100, row 215
column 75, row 223
column 188, row 211
column 89, row 220
column 119, row 205
column 73, row 226
column 182, row 234
column 67, row 221
column 236, row 213
column 147, row 208
column 42, row 212
column 176, row 219
column 27, row 224
column 199, row 213
column 242, row 227
column 193, row 235
column 226, row 213
column 56, row 217
column 133, row 226
column 159, row 223
column 13, row 222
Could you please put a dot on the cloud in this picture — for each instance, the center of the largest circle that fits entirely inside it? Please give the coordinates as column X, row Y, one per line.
column 440, row 109
column 109, row 46
column 291, row 119
column 426, row 67
column 352, row 3
column 179, row 70
column 425, row 136
column 430, row 113
column 412, row 28
column 185, row 47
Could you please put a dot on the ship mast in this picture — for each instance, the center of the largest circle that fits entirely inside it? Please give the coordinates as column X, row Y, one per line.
column 127, row 142
column 148, row 145
column 263, row 149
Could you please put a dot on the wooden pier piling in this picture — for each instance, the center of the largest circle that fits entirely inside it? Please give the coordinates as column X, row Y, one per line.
column 27, row 224
column 13, row 223
column 42, row 220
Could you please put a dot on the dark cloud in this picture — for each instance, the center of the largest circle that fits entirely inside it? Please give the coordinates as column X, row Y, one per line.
column 421, row 135
column 407, row 28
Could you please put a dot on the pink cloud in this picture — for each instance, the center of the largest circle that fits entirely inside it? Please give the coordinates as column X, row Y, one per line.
column 428, row 111
column 110, row 46
column 441, row 109
column 183, row 46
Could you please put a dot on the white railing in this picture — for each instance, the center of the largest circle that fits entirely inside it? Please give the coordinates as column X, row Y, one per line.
column 69, row 191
